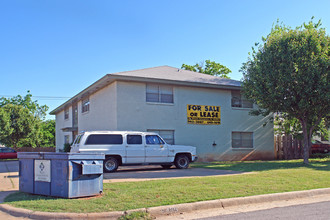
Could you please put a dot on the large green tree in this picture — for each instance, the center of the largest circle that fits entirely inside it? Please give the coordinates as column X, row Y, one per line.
column 209, row 67
column 289, row 73
column 17, row 124
column 26, row 102
column 22, row 123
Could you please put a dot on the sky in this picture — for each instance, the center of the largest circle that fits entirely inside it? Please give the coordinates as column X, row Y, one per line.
column 55, row 49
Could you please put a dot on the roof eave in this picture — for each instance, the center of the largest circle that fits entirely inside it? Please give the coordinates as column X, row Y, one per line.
column 109, row 78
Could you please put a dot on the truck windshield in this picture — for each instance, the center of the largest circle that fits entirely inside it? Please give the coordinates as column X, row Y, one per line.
column 154, row 139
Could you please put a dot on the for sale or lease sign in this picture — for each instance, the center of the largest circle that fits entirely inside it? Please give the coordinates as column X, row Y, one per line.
column 204, row 114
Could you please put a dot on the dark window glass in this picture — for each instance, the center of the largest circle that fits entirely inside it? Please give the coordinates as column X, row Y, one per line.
column 159, row 93
column 154, row 139
column 242, row 139
column 8, row 150
column 134, row 139
column 100, row 139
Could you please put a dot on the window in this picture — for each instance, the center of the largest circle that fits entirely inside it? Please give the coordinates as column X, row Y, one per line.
column 167, row 135
column 238, row 101
column 242, row 139
column 66, row 114
column 154, row 139
column 85, row 105
column 134, row 139
column 99, row 139
column 66, row 139
column 159, row 93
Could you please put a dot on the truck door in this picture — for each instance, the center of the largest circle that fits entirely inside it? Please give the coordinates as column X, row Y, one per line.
column 135, row 150
column 156, row 149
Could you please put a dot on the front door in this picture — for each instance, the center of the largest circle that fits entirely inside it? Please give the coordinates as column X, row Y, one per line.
column 156, row 149
column 135, row 150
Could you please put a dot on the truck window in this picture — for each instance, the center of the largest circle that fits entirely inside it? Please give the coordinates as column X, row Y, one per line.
column 154, row 139
column 102, row 139
column 134, row 139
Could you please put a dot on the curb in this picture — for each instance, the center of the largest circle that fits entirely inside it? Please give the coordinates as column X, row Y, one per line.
column 169, row 209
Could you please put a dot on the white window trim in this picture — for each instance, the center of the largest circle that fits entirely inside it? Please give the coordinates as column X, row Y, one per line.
column 242, row 148
column 159, row 94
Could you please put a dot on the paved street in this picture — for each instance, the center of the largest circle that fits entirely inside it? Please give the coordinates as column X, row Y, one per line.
column 314, row 211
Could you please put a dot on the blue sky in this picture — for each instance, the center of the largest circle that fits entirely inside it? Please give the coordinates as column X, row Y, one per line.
column 58, row 48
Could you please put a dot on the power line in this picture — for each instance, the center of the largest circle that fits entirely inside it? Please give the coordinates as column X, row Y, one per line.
column 41, row 97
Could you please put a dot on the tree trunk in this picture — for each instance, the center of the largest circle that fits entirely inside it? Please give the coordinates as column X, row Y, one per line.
column 306, row 141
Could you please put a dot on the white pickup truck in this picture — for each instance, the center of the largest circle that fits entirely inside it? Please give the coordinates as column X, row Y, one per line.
column 133, row 148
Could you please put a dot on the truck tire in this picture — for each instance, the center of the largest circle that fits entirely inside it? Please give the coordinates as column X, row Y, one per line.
column 110, row 164
column 182, row 162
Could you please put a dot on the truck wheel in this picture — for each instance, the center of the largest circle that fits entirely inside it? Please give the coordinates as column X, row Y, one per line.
column 181, row 162
column 110, row 165
column 166, row 166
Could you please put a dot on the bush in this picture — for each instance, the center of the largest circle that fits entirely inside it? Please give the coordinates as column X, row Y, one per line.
column 67, row 147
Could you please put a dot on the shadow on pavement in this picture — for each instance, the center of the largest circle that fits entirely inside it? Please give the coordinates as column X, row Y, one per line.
column 155, row 172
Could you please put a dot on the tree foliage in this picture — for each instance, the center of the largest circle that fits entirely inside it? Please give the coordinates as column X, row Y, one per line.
column 22, row 123
column 289, row 73
column 209, row 67
column 17, row 124
column 26, row 101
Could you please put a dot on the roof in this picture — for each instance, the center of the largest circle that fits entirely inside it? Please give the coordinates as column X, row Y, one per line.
column 161, row 74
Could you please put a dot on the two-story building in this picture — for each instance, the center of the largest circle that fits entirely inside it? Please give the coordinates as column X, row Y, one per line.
column 184, row 107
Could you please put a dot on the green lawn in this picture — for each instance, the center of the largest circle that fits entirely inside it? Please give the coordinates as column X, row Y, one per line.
column 266, row 177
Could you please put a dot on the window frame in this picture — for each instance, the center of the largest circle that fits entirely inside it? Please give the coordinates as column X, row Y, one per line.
column 241, row 146
column 161, row 93
column 66, row 139
column 89, row 136
column 238, row 101
column 85, row 105
column 158, row 137
column 127, row 139
column 66, row 114
column 159, row 132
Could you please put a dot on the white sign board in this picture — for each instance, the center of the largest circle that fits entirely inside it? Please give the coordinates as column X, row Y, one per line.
column 42, row 170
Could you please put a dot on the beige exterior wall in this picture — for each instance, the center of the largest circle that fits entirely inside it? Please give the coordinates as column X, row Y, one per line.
column 62, row 123
column 122, row 106
column 102, row 114
column 134, row 113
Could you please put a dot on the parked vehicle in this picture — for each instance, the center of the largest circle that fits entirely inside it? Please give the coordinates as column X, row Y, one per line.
column 320, row 147
column 7, row 153
column 134, row 148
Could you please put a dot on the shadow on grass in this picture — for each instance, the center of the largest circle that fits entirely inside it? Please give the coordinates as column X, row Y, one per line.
column 21, row 196
column 251, row 166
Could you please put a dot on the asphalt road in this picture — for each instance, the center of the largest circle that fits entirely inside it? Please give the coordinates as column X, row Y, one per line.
column 314, row 211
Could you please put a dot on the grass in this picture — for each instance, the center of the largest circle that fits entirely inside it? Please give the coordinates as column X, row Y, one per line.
column 267, row 177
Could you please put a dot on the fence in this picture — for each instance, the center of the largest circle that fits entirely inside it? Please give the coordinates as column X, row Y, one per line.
column 35, row 149
column 286, row 147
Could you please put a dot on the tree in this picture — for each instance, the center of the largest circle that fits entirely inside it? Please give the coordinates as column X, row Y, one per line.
column 209, row 67
column 26, row 102
column 289, row 73
column 16, row 124
column 285, row 124
column 47, row 133
column 16, row 112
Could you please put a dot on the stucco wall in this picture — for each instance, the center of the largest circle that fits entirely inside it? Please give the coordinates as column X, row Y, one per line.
column 102, row 114
column 122, row 106
column 134, row 113
column 62, row 123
